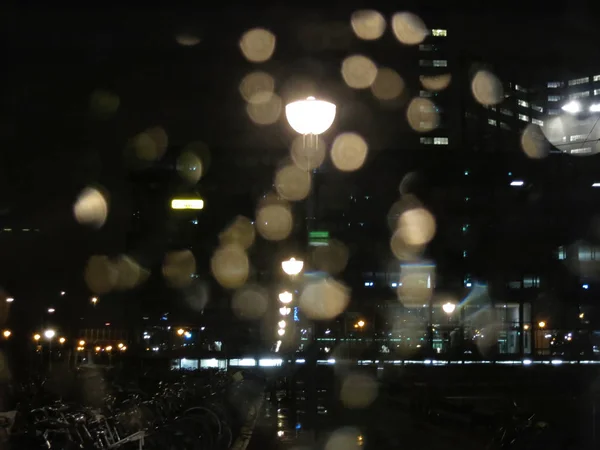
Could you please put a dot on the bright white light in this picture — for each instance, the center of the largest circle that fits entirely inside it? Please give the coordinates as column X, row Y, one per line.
column 281, row 332
column 517, row 183
column 284, row 310
column 282, row 324
column 526, row 362
column 10, row 300
column 595, row 107
column 449, row 307
column 310, row 116
column 573, row 107
column 270, row 362
column 292, row 266
column 49, row 334
column 285, row 297
column 585, row 286
column 596, row 185
column 51, row 310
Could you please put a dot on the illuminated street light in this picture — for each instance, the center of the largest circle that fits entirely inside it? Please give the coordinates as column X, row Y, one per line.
column 98, row 348
column 542, row 324
column 526, row 327
column 286, row 297
column 282, row 324
column 81, row 343
column 573, row 107
column 120, row 345
column 36, row 337
column 123, row 348
column 281, row 332
column 51, row 310
column 284, row 310
column 49, row 334
column 94, row 300
column 10, row 299
column 292, row 266
column 449, row 307
column 360, row 323
column 180, row 332
column 6, row 333
column 62, row 340
column 310, row 116
column 109, row 348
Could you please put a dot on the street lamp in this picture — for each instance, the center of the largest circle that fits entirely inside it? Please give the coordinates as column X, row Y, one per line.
column 51, row 310
column 10, row 299
column 542, row 324
column 6, row 333
column 81, row 343
column 281, row 332
column 284, row 310
column 62, row 340
column 94, row 300
column 449, row 307
column 292, row 266
column 310, row 116
column 36, row 337
column 286, row 297
column 109, row 348
column 282, row 324
column 49, row 334
column 120, row 345
column 180, row 332
column 573, row 107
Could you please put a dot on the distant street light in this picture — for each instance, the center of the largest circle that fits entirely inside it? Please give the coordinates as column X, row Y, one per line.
column 284, row 310
column 449, row 307
column 62, row 340
column 98, row 348
column 36, row 337
column 180, row 332
column 286, row 297
column 310, row 116
column 542, row 324
column 120, row 345
column 282, row 324
column 81, row 343
column 6, row 333
column 109, row 348
column 123, row 348
column 292, row 266
column 10, row 299
column 526, row 327
column 573, row 107
column 94, row 300
column 281, row 332
column 49, row 334
column 51, row 310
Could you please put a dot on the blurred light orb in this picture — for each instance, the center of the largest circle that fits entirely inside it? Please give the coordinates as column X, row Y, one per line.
column 368, row 24
column 487, row 88
column 358, row 391
column 255, row 85
column 358, row 71
column 230, row 266
column 449, row 307
column 241, row 231
column 104, row 103
column 388, row 85
column 189, row 166
column 404, row 251
column 324, row 299
column 422, row 115
column 435, row 83
column 331, row 258
column 310, row 116
column 349, row 152
column 91, row 208
column 178, row 268
column 100, row 274
column 129, row 273
column 534, row 143
column 274, row 220
column 187, row 39
column 408, row 28
column 250, row 302
column 347, row 438
column 308, row 153
column 291, row 267
column 258, row 45
column 264, row 108
column 292, row 183
column 417, row 226
column 151, row 144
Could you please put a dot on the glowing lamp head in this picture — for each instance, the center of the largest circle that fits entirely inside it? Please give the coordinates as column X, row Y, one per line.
column 285, row 297
column 49, row 334
column 310, row 116
column 292, row 266
column 449, row 307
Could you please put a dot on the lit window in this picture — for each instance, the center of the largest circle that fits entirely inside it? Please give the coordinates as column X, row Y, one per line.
column 506, row 112
column 440, row 141
column 561, row 253
column 425, row 94
column 439, row 33
column 579, row 95
column 523, row 117
column 440, row 63
column 537, row 108
column 596, row 91
column 492, row 122
column 554, row 98
column 578, row 137
column 520, row 88
column 580, row 151
column 465, row 254
column 537, row 122
column 426, row 140
column 425, row 62
column 554, row 84
column 523, row 103
column 531, row 282
column 586, row 253
column 504, row 126
column 596, row 77
column 577, row 81
column 368, row 284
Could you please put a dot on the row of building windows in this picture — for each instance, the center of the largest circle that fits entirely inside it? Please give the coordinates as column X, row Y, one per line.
column 433, row 63
column 523, row 117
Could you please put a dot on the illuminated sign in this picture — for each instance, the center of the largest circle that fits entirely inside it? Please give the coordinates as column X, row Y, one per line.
column 187, row 203
column 296, row 317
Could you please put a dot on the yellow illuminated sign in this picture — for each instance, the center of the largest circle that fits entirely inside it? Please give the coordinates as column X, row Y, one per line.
column 187, row 203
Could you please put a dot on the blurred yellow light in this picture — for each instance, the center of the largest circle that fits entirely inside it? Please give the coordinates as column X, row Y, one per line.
column 82, row 343
column 98, row 349
column 361, row 323
column 180, row 332
column 62, row 340
column 36, row 337
column 123, row 348
column 542, row 324
column 109, row 348
column 120, row 345
column 7, row 333
column 187, row 203
column 526, row 326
